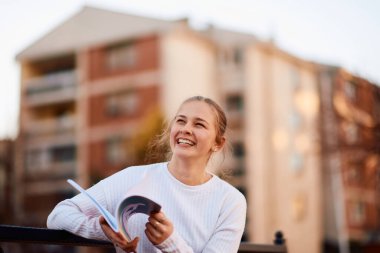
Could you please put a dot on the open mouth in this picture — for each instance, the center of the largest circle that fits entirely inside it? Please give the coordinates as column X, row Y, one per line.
column 185, row 141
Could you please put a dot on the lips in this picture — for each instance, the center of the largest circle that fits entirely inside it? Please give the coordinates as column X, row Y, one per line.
column 185, row 141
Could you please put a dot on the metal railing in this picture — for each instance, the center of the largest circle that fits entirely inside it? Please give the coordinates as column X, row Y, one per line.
column 32, row 235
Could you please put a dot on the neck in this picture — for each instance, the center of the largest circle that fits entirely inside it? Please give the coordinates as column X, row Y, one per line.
column 188, row 171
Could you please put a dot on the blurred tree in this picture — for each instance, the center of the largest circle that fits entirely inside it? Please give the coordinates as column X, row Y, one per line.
column 149, row 131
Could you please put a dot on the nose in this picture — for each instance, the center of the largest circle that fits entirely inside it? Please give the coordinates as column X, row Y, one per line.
column 186, row 129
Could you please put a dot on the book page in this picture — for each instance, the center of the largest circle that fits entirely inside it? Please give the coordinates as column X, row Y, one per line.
column 127, row 207
column 138, row 200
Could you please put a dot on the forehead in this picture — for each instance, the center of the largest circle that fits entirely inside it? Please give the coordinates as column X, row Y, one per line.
column 197, row 109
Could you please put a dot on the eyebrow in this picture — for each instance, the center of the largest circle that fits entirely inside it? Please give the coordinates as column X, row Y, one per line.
column 197, row 118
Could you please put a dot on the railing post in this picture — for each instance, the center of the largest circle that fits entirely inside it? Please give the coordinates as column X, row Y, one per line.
column 279, row 238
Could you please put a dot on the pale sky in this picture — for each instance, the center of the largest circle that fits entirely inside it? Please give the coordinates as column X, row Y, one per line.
column 339, row 32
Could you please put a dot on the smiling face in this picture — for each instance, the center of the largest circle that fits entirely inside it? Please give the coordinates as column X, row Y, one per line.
column 193, row 131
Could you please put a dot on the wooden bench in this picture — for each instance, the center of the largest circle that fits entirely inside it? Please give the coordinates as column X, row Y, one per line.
column 31, row 235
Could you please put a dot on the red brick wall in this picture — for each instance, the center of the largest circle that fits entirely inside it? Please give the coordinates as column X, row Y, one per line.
column 147, row 57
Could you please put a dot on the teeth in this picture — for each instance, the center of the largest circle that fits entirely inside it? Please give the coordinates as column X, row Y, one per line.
column 185, row 141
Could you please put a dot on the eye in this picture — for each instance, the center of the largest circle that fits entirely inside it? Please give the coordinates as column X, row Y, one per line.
column 200, row 125
column 180, row 120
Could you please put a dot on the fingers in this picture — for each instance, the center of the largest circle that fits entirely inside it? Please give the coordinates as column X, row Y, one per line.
column 158, row 228
column 108, row 231
column 102, row 220
column 159, row 221
column 156, row 225
column 160, row 217
column 152, row 230
column 117, row 238
column 151, row 236
column 129, row 246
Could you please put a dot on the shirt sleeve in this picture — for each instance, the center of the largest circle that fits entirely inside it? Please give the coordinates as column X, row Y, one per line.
column 79, row 215
column 174, row 244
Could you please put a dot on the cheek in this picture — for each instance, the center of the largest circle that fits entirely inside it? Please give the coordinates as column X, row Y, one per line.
column 172, row 135
column 209, row 139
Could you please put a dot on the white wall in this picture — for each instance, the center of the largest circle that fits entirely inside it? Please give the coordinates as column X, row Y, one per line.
column 188, row 69
column 280, row 197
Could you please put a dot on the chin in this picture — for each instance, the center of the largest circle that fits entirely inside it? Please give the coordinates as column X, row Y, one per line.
column 183, row 154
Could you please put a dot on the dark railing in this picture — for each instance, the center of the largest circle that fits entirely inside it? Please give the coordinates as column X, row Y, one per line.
column 31, row 235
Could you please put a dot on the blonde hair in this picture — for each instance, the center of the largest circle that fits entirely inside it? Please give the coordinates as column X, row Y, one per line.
column 159, row 149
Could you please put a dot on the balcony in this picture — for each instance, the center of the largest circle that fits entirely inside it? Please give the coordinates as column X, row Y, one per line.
column 50, row 126
column 53, row 88
column 49, row 170
column 41, row 134
column 231, row 78
column 51, row 162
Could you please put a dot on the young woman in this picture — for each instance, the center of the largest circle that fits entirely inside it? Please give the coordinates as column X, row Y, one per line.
column 200, row 212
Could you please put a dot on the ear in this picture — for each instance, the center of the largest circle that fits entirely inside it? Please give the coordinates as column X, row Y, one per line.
column 219, row 145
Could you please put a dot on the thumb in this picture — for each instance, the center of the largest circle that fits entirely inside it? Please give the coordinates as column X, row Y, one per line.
column 135, row 241
column 102, row 220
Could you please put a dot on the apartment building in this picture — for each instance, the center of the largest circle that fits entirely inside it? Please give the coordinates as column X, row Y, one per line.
column 282, row 146
column 97, row 87
column 350, row 135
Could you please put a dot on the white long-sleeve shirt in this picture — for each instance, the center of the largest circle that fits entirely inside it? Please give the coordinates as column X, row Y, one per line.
column 208, row 218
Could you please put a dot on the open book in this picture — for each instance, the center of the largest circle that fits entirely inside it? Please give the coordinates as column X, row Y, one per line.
column 125, row 209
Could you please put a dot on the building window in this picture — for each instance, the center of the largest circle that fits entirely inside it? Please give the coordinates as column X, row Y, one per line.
column 37, row 160
column 125, row 104
column 238, row 170
column 121, row 56
column 235, row 103
column 43, row 159
column 295, row 120
column 296, row 162
column 63, row 154
column 231, row 56
column 117, row 150
column 357, row 213
column 238, row 55
column 238, row 149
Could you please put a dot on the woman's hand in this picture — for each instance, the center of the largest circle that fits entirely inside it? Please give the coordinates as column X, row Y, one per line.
column 117, row 238
column 158, row 228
